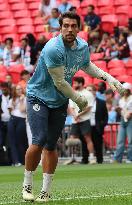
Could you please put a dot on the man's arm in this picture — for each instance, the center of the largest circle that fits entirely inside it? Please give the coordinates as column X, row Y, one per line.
column 96, row 72
column 63, row 86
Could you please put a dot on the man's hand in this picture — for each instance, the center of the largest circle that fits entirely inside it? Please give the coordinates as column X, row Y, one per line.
column 115, row 85
column 82, row 102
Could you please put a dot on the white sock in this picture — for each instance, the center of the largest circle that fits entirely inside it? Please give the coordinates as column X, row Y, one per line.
column 47, row 180
column 28, row 177
column 91, row 155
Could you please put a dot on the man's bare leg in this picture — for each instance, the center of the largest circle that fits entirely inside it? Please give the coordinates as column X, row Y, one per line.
column 90, row 148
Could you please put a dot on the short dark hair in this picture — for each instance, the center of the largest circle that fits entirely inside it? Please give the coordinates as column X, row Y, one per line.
column 25, row 39
column 109, row 91
column 4, row 85
column 79, row 80
column 72, row 8
column 9, row 39
column 56, row 9
column 24, row 72
column 69, row 15
column 92, row 6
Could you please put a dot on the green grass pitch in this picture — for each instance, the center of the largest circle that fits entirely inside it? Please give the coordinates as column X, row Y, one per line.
column 108, row 184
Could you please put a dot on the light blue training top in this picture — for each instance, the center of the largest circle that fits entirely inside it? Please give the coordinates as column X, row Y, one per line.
column 56, row 54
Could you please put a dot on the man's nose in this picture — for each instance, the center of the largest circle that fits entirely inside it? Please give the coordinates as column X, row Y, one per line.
column 69, row 28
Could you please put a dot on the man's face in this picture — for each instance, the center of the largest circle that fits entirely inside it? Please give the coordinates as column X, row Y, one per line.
column 77, row 86
column 5, row 91
column 23, row 43
column 54, row 13
column 69, row 30
column 90, row 10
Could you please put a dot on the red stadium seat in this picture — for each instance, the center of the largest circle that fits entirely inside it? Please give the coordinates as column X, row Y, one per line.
column 104, row 3
column 106, row 10
column 7, row 22
column 96, row 56
column 3, row 73
column 15, row 71
column 4, row 7
column 123, row 13
column 38, row 21
column 3, row 69
column 75, row 3
column 5, row 14
column 83, row 35
column 24, row 21
column 117, row 71
column 34, row 5
column 18, row 6
column 102, row 65
column 88, row 79
column 85, row 3
column 14, row 1
column 128, row 66
column 125, row 78
column 23, row 13
column 39, row 28
column 109, row 22
column 8, row 29
column 48, row 35
column 122, row 2
column 26, row 29
column 34, row 13
column 116, row 64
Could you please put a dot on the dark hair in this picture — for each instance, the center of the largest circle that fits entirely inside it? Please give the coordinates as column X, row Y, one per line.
column 79, row 80
column 24, row 72
column 125, row 35
column 72, row 8
column 69, row 15
column 92, row 6
column 25, row 39
column 4, row 85
column 31, row 39
column 9, row 39
column 109, row 91
column 93, row 87
column 56, row 9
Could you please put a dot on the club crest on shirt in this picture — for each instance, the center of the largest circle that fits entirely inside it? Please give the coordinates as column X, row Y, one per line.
column 36, row 107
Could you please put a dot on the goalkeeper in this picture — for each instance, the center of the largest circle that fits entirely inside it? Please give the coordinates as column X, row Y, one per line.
column 48, row 92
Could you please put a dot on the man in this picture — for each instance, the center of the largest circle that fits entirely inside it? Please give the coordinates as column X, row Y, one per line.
column 81, row 121
column 92, row 21
column 48, row 92
column 25, row 75
column 100, row 94
column 64, row 6
column 98, row 122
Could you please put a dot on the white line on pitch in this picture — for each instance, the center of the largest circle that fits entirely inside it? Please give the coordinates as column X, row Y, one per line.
column 76, row 197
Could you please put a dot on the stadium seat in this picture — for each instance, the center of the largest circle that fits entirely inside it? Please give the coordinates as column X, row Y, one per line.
column 7, row 22
column 26, row 29
column 24, row 21
column 3, row 69
column 15, row 71
column 109, row 22
column 125, row 78
column 83, row 35
column 23, row 13
column 34, row 13
column 106, row 10
column 14, row 1
column 48, row 35
column 39, row 28
column 28, row 1
column 18, row 6
column 38, row 21
column 8, row 29
column 75, row 3
column 5, row 14
column 104, row 3
column 96, row 56
column 85, row 3
column 34, row 5
column 4, row 7
column 116, row 64
column 128, row 66
column 3, row 73
column 121, row 2
column 102, row 65
column 123, row 13
column 117, row 71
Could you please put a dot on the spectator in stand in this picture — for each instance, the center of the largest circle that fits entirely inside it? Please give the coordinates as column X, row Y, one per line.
column 31, row 43
column 64, row 6
column 98, row 122
column 24, row 55
column 8, row 80
column 1, row 52
column 81, row 120
column 100, row 94
column 129, row 40
column 125, row 104
column 25, row 75
column 53, row 22
column 10, row 52
column 92, row 22
column 73, row 9
column 103, row 44
column 123, row 47
column 4, row 115
column 45, row 9
column 17, row 127
column 112, row 115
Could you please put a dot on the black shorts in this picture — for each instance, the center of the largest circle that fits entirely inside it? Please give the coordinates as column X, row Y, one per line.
column 81, row 128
